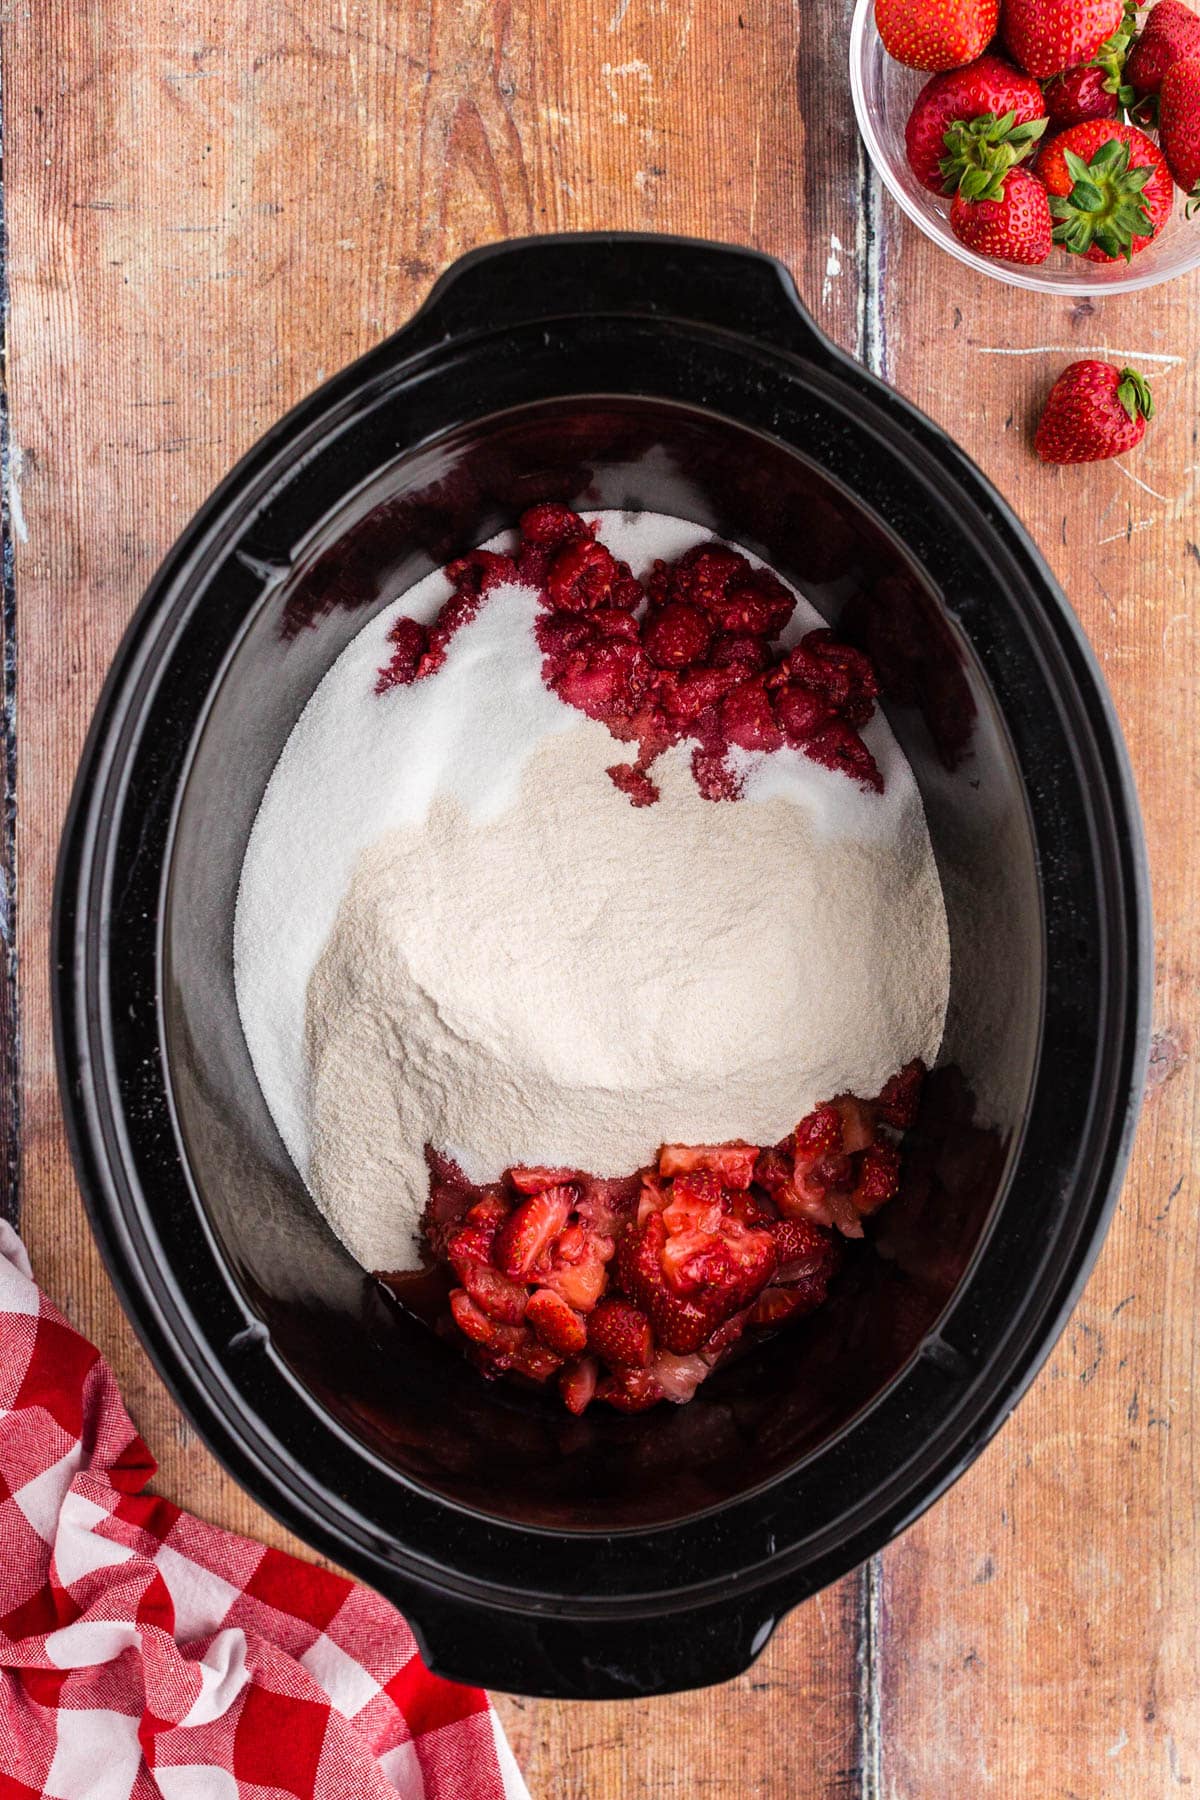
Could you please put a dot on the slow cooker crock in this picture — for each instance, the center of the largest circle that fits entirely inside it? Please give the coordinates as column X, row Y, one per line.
column 607, row 1555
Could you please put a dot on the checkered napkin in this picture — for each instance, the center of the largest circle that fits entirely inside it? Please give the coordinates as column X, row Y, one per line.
column 144, row 1654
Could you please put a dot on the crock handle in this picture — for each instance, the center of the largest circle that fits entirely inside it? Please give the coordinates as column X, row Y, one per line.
column 566, row 1659
column 624, row 273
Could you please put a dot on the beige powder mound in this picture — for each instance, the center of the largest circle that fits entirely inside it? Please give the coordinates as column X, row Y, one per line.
column 579, row 980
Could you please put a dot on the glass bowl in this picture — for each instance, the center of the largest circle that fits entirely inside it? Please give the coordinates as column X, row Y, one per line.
column 884, row 92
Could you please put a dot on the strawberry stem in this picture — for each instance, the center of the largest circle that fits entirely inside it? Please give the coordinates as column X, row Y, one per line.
column 1105, row 206
column 1134, row 395
column 981, row 151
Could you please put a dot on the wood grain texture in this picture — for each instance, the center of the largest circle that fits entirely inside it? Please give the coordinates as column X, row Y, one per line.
column 211, row 207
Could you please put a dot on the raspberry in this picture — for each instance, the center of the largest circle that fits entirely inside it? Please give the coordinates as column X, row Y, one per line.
column 635, row 782
column 479, row 571
column 839, row 747
column 739, row 649
column 759, row 604
column 605, row 683
column 686, row 694
column 801, row 713
column 713, row 776
column 584, row 576
column 552, row 525
column 411, row 640
column 747, row 719
column 676, row 635
column 841, row 674
column 701, row 575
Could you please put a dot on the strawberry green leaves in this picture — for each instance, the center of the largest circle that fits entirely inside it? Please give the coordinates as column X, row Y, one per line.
column 981, row 151
column 1105, row 206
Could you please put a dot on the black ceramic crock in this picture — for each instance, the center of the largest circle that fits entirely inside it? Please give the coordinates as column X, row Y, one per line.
column 608, row 1555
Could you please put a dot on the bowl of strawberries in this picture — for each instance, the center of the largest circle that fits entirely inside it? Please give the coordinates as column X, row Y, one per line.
column 1054, row 144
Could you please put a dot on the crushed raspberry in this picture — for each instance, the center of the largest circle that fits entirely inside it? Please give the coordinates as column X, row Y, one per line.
column 629, row 1292
column 635, row 782
column 677, row 635
column 692, row 654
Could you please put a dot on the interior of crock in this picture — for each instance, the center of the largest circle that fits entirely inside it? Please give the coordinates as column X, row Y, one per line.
column 379, row 1371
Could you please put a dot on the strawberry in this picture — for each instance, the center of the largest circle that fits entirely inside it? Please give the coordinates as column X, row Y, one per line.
column 1015, row 227
column 619, row 1333
column 878, row 1178
column 1048, row 36
column 535, row 1179
column 942, row 36
column 899, row 1095
column 733, row 1163
column 1179, row 126
column 1094, row 410
column 1097, row 89
column 1110, row 189
column 529, row 1231
column 975, row 100
column 678, row 1377
column 1171, row 32
column 558, row 1325
column 577, row 1384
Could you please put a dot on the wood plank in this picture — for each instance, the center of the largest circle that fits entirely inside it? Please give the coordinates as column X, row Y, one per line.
column 211, row 207
column 1038, row 1630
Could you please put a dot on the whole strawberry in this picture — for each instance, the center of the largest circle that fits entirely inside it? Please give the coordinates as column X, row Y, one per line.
column 1171, row 32
column 1097, row 89
column 1179, row 126
column 978, row 98
column 941, row 36
column 1094, row 410
column 1016, row 227
column 1048, row 36
column 1110, row 189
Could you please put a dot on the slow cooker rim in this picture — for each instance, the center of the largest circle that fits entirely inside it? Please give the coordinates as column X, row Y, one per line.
column 83, row 1132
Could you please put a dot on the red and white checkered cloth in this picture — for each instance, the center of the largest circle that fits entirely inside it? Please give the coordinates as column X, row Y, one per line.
column 145, row 1655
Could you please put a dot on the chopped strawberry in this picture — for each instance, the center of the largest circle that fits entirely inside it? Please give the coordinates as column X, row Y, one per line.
column 532, row 1178
column 550, row 524
column 619, row 1333
column 678, row 1377
column 818, row 1134
column 558, row 1325
column 492, row 1292
column 676, row 635
column 778, row 1304
column 632, row 1390
column 878, row 1178
column 858, row 1125
column 733, row 1162
column 483, row 1330
column 577, row 1268
column 802, row 1247
column 534, row 1360
column 900, row 1095
column 678, row 1324
column 528, row 1232
column 577, row 1384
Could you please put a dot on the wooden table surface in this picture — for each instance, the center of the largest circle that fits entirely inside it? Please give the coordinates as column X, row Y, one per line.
column 209, row 207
